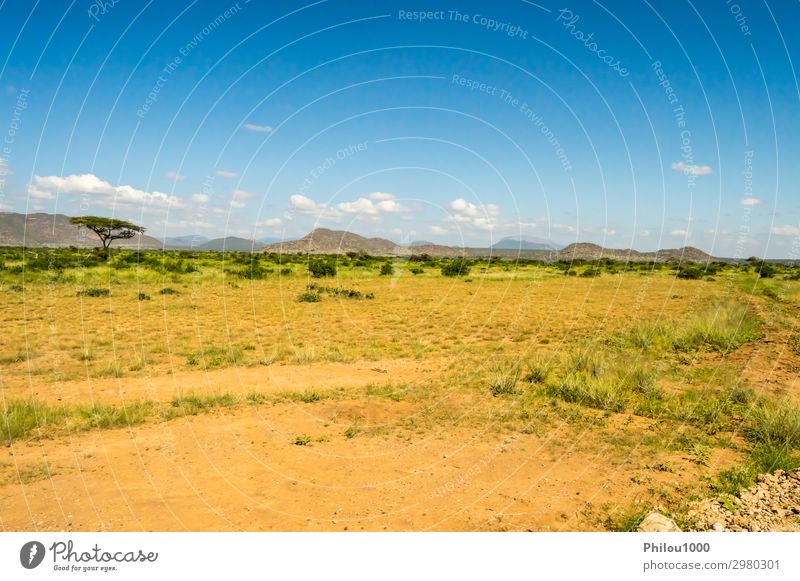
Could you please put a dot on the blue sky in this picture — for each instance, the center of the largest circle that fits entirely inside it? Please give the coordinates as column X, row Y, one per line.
column 629, row 124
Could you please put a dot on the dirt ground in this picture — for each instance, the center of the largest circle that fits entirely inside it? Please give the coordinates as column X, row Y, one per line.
column 354, row 461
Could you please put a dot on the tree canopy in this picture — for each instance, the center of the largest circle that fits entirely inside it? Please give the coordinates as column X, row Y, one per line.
column 108, row 229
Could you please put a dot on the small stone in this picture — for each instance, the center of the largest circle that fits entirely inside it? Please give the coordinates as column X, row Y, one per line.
column 656, row 522
column 718, row 527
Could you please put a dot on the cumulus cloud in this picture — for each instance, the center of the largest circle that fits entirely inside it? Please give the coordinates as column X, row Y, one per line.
column 683, row 233
column 257, row 128
column 483, row 216
column 273, row 222
column 365, row 207
column 46, row 188
column 240, row 197
column 785, row 230
column 695, row 170
column 750, row 202
column 200, row 198
column 438, row 230
column 381, row 196
column 175, row 176
column 303, row 205
column 362, row 208
column 226, row 174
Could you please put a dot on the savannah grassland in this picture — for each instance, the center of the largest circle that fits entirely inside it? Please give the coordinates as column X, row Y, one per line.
column 209, row 391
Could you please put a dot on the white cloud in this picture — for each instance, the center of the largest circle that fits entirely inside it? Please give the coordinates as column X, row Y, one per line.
column 644, row 232
column 365, row 207
column 381, row 196
column 303, row 205
column 46, row 187
column 257, row 128
column 200, row 198
column 785, row 230
column 483, row 216
column 175, row 176
column 683, row 233
column 602, row 231
column 226, row 174
column 750, row 202
column 239, row 197
column 273, row 222
column 438, row 230
column 563, row 228
column 695, row 170
column 362, row 208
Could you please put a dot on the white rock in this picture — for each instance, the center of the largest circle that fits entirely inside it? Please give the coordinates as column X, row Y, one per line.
column 658, row 523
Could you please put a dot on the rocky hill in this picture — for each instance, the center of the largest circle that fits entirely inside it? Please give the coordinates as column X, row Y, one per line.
column 586, row 251
column 38, row 230
column 325, row 241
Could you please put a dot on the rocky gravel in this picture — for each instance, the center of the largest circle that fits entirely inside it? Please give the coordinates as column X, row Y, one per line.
column 773, row 504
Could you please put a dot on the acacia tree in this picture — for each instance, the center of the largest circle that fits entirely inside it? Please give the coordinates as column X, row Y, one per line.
column 108, row 229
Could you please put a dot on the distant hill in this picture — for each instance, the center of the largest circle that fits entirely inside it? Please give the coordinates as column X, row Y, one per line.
column 53, row 230
column 420, row 243
column 189, row 241
column 231, row 244
column 512, row 243
column 325, row 241
column 586, row 251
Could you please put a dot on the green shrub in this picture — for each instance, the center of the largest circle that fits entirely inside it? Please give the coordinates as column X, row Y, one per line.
column 169, row 291
column 774, row 423
column 456, row 267
column 416, row 270
column 94, row 292
column 309, row 297
column 387, row 269
column 537, row 371
column 319, row 268
column 589, row 390
column 504, row 382
column 143, row 297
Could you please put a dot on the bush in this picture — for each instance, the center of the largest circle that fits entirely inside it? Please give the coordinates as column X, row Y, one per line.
column 143, row 297
column 319, row 268
column 94, row 292
column 584, row 389
column 537, row 372
column 309, row 297
column 168, row 291
column 416, row 270
column 775, row 423
column 387, row 269
column 457, row 267
column 504, row 382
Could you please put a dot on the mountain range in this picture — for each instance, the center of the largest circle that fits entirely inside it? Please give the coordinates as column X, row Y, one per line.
column 54, row 230
column 325, row 241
